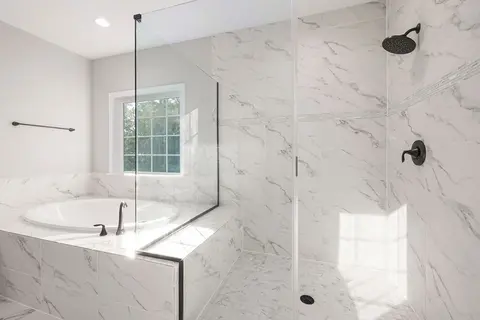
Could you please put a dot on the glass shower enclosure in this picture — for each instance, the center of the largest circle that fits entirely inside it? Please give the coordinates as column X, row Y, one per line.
column 277, row 110
column 176, row 133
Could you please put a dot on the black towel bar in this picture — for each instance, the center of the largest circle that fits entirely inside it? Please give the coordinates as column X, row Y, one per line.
column 15, row 124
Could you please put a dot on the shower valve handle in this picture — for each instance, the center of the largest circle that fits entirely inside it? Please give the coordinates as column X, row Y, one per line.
column 104, row 230
column 418, row 153
column 414, row 153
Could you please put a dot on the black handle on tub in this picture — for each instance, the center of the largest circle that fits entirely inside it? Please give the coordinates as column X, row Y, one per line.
column 104, row 230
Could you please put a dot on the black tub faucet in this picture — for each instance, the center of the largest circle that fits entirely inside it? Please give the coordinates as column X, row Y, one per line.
column 120, row 228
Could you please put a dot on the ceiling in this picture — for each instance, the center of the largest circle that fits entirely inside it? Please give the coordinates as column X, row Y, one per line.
column 70, row 23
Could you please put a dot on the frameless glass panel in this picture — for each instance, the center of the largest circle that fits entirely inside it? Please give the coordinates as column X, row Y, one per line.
column 238, row 54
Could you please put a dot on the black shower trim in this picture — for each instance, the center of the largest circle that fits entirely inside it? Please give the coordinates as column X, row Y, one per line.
column 181, row 273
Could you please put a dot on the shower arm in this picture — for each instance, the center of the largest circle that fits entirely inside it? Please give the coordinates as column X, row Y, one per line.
column 416, row 29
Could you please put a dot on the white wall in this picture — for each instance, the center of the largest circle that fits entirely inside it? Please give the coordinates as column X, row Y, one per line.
column 42, row 83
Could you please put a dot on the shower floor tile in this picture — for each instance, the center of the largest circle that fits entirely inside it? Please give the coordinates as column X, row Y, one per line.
column 259, row 287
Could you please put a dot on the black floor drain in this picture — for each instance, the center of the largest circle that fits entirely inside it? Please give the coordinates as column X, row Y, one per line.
column 307, row 299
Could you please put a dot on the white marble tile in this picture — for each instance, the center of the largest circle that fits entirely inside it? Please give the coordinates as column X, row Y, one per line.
column 451, row 283
column 207, row 266
column 122, row 312
column 20, row 253
column 70, row 267
column 351, row 13
column 341, row 182
column 21, row 192
column 259, row 287
column 448, row 40
column 190, row 188
column 23, row 288
column 184, row 241
column 256, row 288
column 255, row 69
column 138, row 283
column 69, row 304
column 260, row 178
column 11, row 310
column 441, row 200
column 341, row 70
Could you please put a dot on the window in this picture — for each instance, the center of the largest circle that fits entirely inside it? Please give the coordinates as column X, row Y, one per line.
column 158, row 135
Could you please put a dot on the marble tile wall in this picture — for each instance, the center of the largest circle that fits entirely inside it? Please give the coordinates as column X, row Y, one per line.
column 74, row 283
column 341, row 132
column 341, row 87
column 449, row 39
column 208, row 265
column 13, row 310
column 433, row 97
column 20, row 192
column 254, row 69
column 168, row 189
column 441, row 201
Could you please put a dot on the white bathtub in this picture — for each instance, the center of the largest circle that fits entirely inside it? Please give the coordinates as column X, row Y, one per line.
column 80, row 215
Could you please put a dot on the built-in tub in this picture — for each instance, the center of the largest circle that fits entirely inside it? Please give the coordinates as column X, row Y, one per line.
column 80, row 215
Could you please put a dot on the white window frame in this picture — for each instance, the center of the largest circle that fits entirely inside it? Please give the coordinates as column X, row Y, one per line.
column 116, row 102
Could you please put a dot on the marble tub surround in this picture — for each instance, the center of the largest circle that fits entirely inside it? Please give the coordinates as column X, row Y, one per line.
column 259, row 287
column 70, row 282
column 170, row 189
column 11, row 310
column 207, row 247
column 24, row 192
column 126, row 244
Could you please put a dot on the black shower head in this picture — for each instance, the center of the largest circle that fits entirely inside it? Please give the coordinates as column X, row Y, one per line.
column 401, row 44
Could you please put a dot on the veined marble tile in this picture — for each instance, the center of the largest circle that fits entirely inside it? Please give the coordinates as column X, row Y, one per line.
column 69, row 304
column 21, row 192
column 355, row 13
column 141, row 284
column 207, row 266
column 451, row 283
column 441, row 199
column 191, row 188
column 259, row 287
column 20, row 253
column 11, row 310
column 255, row 69
column 448, row 40
column 70, row 267
column 260, row 176
column 23, row 288
column 117, row 311
column 341, row 186
column 341, row 70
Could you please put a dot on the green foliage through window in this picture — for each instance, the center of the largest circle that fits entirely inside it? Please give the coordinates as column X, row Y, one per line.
column 158, row 136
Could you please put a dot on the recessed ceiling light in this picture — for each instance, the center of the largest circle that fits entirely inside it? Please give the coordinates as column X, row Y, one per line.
column 102, row 22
